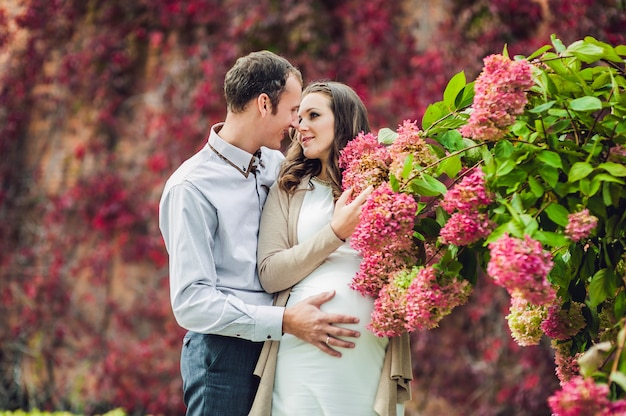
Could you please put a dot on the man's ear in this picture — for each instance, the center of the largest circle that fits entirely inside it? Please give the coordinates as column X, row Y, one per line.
column 264, row 104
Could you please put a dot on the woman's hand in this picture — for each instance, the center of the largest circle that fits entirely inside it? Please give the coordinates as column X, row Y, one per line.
column 346, row 216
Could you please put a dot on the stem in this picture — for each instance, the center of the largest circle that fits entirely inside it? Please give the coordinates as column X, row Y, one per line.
column 618, row 354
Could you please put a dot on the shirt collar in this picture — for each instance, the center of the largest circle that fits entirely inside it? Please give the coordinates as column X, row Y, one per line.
column 241, row 160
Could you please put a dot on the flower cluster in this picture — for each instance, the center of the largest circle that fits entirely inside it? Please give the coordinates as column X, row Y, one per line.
column 500, row 95
column 388, row 317
column 429, row 298
column 524, row 321
column 469, row 224
column 409, row 143
column 522, row 267
column 365, row 162
column 416, row 299
column 407, row 295
column 468, row 195
column 375, row 270
column 566, row 365
column 580, row 396
column 562, row 324
column 498, row 179
column 386, row 223
column 580, row 225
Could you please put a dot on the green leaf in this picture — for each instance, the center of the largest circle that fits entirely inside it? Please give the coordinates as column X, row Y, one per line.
column 387, row 136
column 619, row 378
column 549, row 174
column 609, row 51
column 435, row 184
column 601, row 287
column 539, row 52
column 542, row 107
column 603, row 177
column 550, row 158
column 451, row 140
column 558, row 214
column 454, row 87
column 620, row 305
column 614, row 169
column 584, row 51
column 586, row 103
column 451, row 166
column 593, row 358
column 408, row 166
column 535, row 187
column 422, row 187
column 556, row 42
column 466, row 99
column 551, row 239
column 507, row 166
column 433, row 113
column 579, row 170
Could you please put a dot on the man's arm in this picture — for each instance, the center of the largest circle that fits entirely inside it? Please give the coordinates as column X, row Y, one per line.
column 188, row 223
column 306, row 321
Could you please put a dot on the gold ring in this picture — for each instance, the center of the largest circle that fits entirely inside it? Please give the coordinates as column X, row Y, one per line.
column 327, row 339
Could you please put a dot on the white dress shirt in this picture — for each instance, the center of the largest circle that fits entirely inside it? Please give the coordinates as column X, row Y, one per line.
column 209, row 216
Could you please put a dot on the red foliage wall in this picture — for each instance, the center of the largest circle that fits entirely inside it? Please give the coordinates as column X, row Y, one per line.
column 101, row 100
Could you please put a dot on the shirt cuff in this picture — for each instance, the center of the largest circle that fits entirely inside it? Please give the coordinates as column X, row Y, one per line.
column 269, row 323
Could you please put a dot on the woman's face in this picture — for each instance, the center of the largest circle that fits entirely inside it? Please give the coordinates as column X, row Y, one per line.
column 317, row 127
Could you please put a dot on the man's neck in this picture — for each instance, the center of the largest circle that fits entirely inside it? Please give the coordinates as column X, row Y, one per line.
column 238, row 130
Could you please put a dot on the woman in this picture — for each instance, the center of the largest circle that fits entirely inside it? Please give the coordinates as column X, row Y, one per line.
column 304, row 249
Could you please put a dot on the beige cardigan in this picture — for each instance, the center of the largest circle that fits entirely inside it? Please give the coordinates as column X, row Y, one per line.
column 280, row 269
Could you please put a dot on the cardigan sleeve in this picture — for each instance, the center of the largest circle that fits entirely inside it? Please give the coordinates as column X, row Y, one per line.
column 282, row 261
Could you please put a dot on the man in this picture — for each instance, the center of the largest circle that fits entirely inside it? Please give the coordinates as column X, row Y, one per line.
column 209, row 217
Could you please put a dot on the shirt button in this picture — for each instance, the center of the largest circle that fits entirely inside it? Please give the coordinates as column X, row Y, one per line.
column 269, row 337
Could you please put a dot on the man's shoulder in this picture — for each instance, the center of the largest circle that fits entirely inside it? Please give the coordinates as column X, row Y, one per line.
column 271, row 156
column 196, row 167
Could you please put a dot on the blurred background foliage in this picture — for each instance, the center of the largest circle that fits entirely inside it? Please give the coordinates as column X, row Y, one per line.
column 100, row 100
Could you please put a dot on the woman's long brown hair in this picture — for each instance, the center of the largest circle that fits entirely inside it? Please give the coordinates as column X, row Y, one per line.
column 350, row 119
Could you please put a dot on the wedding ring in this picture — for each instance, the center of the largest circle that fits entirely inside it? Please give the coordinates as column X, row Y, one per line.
column 327, row 339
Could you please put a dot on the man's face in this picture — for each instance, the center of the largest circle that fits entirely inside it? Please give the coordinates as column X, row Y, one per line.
column 286, row 117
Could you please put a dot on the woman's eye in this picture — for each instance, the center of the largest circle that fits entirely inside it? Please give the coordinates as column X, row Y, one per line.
column 313, row 115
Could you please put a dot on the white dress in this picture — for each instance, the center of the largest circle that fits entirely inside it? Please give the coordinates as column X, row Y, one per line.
column 308, row 381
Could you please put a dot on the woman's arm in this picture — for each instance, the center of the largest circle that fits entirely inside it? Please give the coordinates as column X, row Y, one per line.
column 282, row 262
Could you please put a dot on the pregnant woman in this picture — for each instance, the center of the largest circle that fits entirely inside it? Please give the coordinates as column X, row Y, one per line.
column 304, row 249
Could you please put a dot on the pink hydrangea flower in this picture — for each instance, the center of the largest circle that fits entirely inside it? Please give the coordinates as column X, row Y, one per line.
column 390, row 308
column 563, row 324
column 500, row 95
column 566, row 365
column 617, row 407
column 365, row 162
column 371, row 170
column 580, row 225
column 522, row 267
column 355, row 149
column 428, row 300
column 580, row 397
column 375, row 269
column 468, row 195
column 409, row 142
column 524, row 321
column 617, row 153
column 465, row 228
column 387, row 220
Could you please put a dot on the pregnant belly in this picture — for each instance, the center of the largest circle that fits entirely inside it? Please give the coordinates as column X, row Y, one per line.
column 336, row 274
